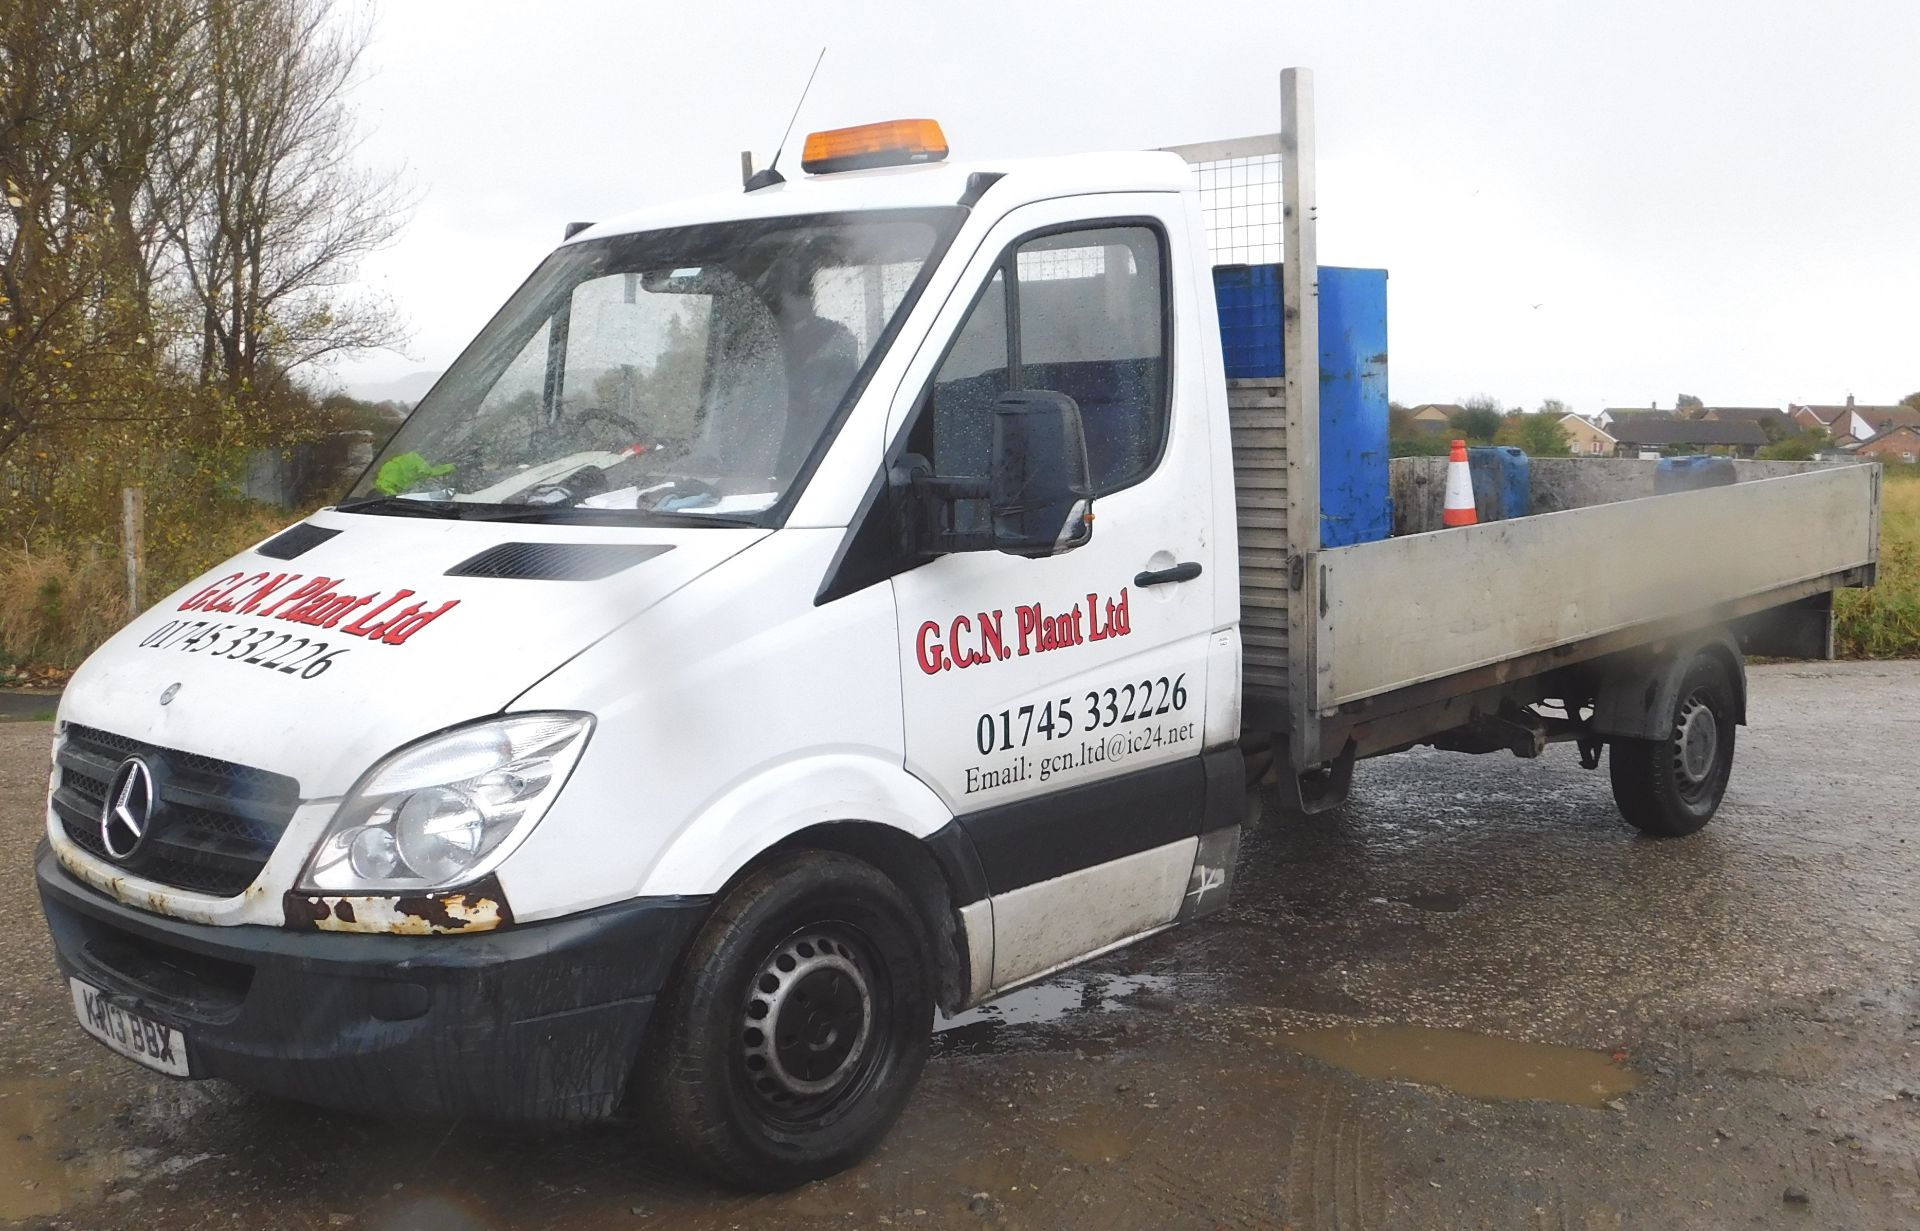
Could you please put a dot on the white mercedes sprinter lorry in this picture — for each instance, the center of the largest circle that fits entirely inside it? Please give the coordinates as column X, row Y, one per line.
column 805, row 609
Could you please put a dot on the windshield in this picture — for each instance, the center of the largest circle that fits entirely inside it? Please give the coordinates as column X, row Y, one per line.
column 688, row 373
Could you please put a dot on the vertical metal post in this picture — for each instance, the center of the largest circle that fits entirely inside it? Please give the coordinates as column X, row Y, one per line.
column 133, row 540
column 1300, row 309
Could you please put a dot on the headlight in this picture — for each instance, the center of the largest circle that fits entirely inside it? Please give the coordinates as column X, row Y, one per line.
column 447, row 809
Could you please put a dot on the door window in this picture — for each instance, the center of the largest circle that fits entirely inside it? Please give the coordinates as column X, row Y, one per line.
column 1077, row 312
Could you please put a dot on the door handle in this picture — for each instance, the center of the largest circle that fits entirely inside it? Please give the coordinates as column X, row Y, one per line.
column 1186, row 571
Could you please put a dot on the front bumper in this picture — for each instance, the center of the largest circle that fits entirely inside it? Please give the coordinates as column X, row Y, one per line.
column 538, row 1021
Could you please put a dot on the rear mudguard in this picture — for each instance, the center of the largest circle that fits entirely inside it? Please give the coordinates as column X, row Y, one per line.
column 1639, row 689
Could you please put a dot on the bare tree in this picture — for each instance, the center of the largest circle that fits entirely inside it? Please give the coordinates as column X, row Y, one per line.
column 277, row 213
column 154, row 42
column 88, row 91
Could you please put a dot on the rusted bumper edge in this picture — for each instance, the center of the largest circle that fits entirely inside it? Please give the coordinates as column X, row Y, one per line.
column 480, row 907
column 539, row 1021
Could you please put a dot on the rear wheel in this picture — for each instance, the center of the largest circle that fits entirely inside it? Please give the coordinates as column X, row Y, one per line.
column 797, row 1026
column 1671, row 787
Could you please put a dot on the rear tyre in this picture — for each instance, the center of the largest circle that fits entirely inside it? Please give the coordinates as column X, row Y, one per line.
column 1671, row 787
column 797, row 1026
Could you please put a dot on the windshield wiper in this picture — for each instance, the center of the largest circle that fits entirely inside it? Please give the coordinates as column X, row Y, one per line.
column 399, row 506
column 559, row 514
column 562, row 514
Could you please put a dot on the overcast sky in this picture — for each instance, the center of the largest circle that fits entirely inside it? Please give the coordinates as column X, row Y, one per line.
column 1609, row 203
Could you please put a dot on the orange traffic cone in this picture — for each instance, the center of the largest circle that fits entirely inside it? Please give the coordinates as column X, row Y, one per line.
column 1459, row 507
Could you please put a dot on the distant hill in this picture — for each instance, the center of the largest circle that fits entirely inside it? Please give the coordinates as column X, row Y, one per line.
column 406, row 390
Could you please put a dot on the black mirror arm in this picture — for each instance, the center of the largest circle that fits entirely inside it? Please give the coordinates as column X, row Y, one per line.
column 952, row 487
column 929, row 506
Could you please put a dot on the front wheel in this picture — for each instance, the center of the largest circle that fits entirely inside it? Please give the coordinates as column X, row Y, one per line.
column 1671, row 787
column 797, row 1026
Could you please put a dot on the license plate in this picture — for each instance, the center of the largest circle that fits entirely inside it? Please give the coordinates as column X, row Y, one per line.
column 136, row 1037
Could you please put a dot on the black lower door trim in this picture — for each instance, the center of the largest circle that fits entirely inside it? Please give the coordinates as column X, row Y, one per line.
column 1064, row 831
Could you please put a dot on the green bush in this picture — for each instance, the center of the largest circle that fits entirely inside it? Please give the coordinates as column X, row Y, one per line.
column 1884, row 622
column 1419, row 446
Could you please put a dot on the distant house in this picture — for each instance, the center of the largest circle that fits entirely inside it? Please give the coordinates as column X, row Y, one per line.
column 1612, row 415
column 1641, row 433
column 1850, row 421
column 1835, row 421
column 1435, row 418
column 1586, row 438
column 1896, row 444
column 1883, row 419
column 1762, row 415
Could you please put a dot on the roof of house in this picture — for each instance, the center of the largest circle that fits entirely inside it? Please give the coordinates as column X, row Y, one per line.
column 1742, row 414
column 1827, row 414
column 1887, row 418
column 1645, row 431
column 1589, row 424
column 1445, row 408
column 1637, row 412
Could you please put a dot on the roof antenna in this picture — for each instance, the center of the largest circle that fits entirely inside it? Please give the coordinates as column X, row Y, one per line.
column 756, row 180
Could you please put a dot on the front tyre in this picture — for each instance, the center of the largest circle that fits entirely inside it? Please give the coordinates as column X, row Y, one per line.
column 1671, row 787
column 792, row 1036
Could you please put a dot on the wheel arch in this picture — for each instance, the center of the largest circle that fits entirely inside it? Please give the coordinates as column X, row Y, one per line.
column 854, row 805
column 1638, row 690
column 931, row 881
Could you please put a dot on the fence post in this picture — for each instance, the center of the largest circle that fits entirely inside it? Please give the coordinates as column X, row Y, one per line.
column 133, row 511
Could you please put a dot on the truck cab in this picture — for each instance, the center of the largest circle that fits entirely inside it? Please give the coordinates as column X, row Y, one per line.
column 797, row 610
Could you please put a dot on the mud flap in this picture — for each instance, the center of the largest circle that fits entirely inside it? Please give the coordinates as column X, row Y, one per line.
column 1319, row 789
column 1211, row 882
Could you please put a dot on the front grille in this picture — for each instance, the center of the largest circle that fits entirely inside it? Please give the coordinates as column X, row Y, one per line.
column 216, row 824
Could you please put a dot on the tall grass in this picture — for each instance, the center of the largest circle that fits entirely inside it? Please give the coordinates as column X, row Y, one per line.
column 59, row 600
column 1884, row 622
column 57, row 604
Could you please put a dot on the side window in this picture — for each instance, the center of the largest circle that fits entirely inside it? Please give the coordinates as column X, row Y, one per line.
column 959, row 410
column 1091, row 327
column 1079, row 313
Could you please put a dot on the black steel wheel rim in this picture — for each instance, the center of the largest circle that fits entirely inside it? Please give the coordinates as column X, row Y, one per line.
column 813, row 1028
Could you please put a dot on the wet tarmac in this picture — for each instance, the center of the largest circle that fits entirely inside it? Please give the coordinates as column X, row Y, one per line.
column 1471, row 998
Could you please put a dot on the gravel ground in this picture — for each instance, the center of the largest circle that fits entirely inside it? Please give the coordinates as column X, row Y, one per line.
column 1523, row 1016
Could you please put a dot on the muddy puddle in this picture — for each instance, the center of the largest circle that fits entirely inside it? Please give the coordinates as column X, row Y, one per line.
column 1478, row 1065
column 42, row 1170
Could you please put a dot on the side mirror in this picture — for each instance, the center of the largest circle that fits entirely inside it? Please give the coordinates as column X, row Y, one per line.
column 1037, row 485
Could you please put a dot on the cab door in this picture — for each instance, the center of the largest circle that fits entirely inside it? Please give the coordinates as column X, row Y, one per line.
column 1057, row 705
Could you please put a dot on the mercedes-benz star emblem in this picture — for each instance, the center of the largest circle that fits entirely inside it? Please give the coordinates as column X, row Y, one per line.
column 128, row 809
